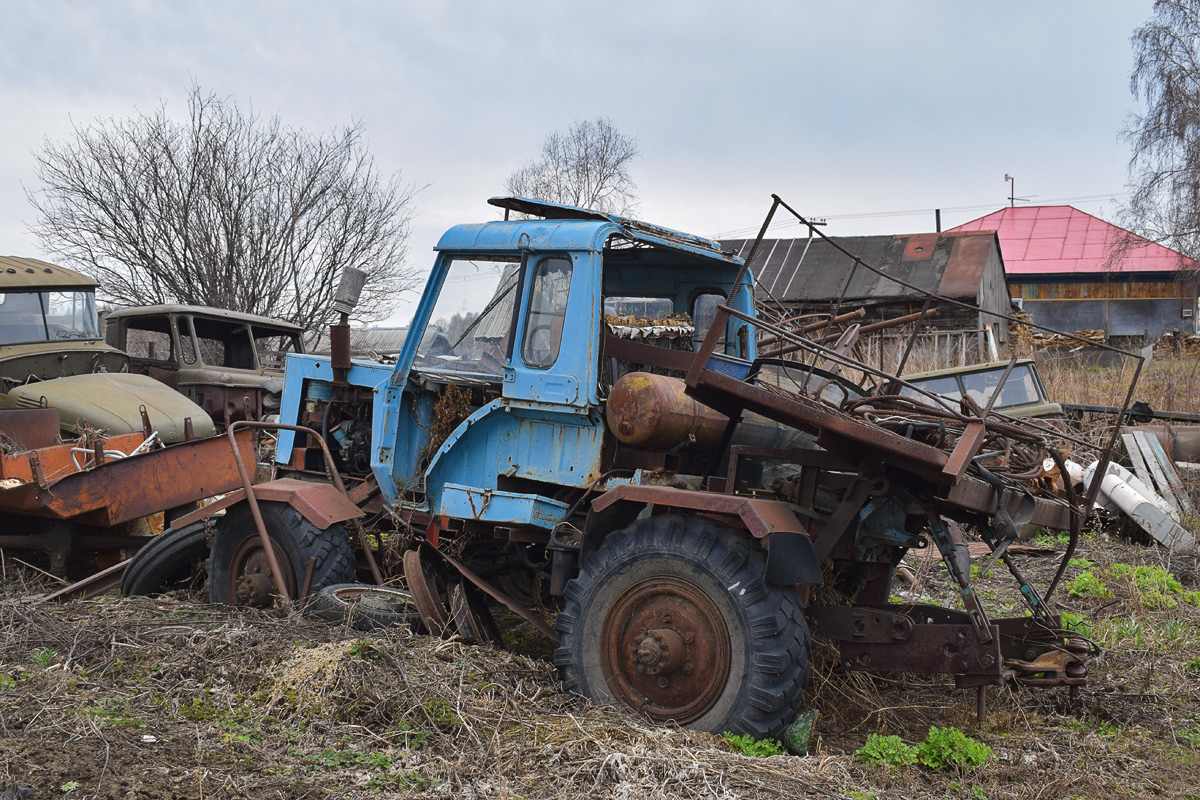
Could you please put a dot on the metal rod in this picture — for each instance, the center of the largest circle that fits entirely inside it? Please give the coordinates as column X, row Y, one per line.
column 252, row 500
column 912, row 340
column 720, row 321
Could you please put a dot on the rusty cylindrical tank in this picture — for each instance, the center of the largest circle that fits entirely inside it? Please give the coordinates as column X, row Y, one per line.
column 654, row 413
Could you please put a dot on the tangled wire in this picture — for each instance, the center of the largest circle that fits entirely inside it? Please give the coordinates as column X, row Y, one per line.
column 1016, row 452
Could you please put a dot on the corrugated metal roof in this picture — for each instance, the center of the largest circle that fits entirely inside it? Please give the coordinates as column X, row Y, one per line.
column 1054, row 240
column 950, row 264
column 30, row 272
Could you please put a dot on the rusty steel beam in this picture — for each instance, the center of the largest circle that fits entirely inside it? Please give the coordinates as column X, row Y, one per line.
column 849, row 316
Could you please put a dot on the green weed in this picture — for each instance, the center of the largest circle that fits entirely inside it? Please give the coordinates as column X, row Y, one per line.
column 411, row 781
column 1077, row 623
column 890, row 750
column 43, row 657
column 442, row 714
column 1086, row 584
column 1053, row 539
column 749, row 746
column 950, row 747
column 363, row 648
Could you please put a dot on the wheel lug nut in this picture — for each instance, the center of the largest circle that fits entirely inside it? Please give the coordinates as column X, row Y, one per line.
column 662, row 683
column 688, row 638
column 687, row 668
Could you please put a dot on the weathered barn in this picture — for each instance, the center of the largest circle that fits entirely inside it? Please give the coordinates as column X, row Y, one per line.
column 1073, row 271
column 805, row 277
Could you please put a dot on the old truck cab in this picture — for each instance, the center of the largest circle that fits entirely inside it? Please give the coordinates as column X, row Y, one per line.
column 52, row 354
column 228, row 362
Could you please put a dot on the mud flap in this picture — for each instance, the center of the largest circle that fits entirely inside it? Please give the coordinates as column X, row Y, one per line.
column 791, row 559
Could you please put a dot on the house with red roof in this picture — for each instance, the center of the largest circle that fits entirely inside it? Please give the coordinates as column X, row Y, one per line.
column 1072, row 271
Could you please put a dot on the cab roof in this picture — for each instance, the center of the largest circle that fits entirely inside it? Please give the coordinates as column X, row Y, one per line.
column 205, row 311
column 571, row 228
column 18, row 272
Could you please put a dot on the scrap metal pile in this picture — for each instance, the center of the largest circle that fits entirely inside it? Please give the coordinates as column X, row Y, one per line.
column 913, row 468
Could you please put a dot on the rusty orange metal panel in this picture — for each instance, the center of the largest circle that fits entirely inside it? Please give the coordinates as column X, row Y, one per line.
column 761, row 517
column 31, row 427
column 128, row 488
column 320, row 503
column 55, row 461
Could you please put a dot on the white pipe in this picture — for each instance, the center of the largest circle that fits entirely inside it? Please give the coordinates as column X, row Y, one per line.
column 1136, row 483
column 1122, row 490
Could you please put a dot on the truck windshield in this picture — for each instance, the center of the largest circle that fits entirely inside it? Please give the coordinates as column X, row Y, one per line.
column 1021, row 388
column 471, row 323
column 47, row 316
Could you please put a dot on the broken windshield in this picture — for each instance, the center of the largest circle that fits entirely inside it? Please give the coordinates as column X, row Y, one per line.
column 47, row 316
column 470, row 326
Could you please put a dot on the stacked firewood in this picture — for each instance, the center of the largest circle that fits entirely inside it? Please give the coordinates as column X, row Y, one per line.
column 1043, row 339
column 1020, row 334
column 1177, row 343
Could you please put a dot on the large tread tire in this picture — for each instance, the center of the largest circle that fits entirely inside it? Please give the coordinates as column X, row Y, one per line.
column 767, row 636
column 296, row 540
column 365, row 607
column 168, row 561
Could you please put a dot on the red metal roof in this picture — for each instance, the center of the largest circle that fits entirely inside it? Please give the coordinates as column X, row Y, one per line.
column 1041, row 240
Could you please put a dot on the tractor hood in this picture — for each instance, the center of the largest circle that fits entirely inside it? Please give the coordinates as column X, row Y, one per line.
column 46, row 360
column 113, row 401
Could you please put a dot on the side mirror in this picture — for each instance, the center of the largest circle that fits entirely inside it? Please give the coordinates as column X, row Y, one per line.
column 349, row 290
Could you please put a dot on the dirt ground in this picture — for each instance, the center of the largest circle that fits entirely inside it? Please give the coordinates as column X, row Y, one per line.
column 167, row 698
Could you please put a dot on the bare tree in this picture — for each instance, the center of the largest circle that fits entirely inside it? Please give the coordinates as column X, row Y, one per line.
column 588, row 166
column 1165, row 166
column 228, row 209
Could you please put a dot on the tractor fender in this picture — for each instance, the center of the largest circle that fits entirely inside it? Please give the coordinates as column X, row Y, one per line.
column 791, row 557
column 319, row 503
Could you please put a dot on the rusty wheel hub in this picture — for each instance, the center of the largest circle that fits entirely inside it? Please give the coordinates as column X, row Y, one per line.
column 666, row 649
column 250, row 574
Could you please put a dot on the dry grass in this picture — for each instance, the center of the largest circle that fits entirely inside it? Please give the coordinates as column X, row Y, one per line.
column 165, row 698
column 1167, row 384
column 162, row 697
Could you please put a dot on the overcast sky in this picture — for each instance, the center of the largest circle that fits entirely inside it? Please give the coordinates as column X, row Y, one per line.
column 848, row 110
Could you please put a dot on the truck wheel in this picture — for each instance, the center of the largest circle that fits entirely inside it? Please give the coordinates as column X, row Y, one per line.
column 239, row 573
column 366, row 607
column 671, row 617
column 166, row 562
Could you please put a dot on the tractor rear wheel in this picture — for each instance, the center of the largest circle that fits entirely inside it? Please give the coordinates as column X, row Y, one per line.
column 671, row 617
column 239, row 572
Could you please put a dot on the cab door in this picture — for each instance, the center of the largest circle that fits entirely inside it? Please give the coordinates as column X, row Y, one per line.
column 553, row 352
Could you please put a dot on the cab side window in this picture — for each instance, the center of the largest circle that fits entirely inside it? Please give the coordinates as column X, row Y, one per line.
column 547, row 312
column 150, row 338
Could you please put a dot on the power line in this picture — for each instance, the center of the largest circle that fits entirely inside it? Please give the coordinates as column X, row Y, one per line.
column 786, row 223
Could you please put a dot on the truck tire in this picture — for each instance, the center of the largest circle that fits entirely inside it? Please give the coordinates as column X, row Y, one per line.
column 366, row 607
column 671, row 617
column 168, row 561
column 238, row 570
